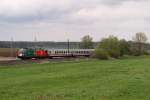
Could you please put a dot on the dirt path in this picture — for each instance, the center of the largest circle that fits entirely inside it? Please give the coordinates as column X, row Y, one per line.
column 8, row 58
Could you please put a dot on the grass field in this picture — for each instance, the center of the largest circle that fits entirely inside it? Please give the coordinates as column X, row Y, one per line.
column 125, row 79
column 8, row 52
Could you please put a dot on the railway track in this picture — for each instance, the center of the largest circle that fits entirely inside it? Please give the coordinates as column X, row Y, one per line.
column 16, row 61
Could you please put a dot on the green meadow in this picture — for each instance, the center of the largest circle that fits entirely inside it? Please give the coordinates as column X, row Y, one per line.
column 122, row 79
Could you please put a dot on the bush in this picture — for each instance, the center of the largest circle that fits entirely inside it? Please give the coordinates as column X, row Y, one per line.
column 100, row 54
column 146, row 52
column 111, row 45
column 135, row 52
column 114, row 54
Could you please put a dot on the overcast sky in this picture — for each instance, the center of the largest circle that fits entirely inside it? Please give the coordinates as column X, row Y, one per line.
column 57, row 20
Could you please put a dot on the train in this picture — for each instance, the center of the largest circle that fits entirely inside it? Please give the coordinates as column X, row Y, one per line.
column 30, row 53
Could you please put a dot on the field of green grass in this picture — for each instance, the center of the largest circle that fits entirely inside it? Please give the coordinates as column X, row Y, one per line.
column 124, row 79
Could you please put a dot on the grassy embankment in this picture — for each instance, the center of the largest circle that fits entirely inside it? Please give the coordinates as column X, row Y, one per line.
column 8, row 52
column 125, row 79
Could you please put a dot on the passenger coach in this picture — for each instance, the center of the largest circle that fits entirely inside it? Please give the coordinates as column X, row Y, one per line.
column 70, row 52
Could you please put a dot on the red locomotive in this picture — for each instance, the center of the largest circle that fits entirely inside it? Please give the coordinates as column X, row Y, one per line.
column 40, row 53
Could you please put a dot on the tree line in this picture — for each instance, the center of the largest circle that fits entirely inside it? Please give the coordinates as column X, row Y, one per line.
column 38, row 44
column 114, row 47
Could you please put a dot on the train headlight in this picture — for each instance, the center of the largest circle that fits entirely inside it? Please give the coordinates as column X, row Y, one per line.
column 20, row 54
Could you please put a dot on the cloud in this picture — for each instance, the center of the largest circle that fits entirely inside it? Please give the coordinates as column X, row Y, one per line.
column 31, row 10
column 79, row 17
column 28, row 10
column 118, row 2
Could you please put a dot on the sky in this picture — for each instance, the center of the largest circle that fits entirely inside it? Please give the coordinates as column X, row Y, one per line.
column 59, row 20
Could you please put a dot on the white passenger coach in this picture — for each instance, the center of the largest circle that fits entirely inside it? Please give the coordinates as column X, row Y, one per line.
column 69, row 52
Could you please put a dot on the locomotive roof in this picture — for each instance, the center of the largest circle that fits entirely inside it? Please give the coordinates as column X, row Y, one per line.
column 71, row 49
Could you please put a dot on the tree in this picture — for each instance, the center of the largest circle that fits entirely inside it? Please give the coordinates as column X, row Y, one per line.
column 111, row 45
column 140, row 39
column 86, row 42
column 124, row 47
